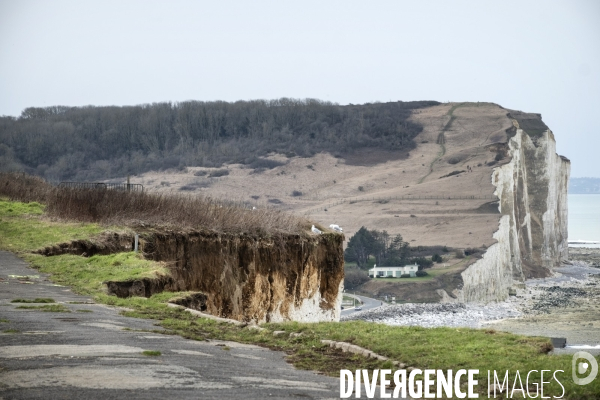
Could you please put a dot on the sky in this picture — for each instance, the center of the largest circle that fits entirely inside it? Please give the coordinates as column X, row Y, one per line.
column 534, row 56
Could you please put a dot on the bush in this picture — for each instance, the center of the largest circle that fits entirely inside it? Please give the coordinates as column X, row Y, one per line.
column 422, row 262
column 353, row 278
column 405, row 276
column 118, row 207
column 459, row 253
column 437, row 258
column 296, row 193
column 200, row 173
column 265, row 163
column 421, row 273
column 361, row 189
column 218, row 173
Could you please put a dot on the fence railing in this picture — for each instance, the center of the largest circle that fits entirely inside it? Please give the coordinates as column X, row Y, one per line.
column 128, row 187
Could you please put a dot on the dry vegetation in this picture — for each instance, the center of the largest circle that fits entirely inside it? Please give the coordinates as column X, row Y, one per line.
column 113, row 207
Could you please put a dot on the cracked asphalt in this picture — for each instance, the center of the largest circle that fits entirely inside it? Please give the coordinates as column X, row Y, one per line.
column 95, row 353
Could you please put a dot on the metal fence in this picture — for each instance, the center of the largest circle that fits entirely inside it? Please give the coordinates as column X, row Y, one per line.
column 128, row 187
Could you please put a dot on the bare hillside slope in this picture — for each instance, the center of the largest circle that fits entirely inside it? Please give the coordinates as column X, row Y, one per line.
column 445, row 191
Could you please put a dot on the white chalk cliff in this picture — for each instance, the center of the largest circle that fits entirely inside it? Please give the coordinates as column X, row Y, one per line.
column 532, row 233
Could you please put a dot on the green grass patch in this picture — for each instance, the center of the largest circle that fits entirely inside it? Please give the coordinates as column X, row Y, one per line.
column 4, row 320
column 87, row 274
column 11, row 331
column 23, row 227
column 47, row 308
column 151, row 353
column 16, row 208
column 36, row 300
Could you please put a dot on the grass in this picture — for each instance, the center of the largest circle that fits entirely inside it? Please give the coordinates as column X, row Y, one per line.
column 88, row 274
column 11, row 331
column 47, row 308
column 25, row 228
column 431, row 348
column 36, row 300
column 151, row 353
column 4, row 320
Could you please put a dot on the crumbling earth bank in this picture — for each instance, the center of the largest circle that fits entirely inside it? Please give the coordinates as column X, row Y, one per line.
column 288, row 277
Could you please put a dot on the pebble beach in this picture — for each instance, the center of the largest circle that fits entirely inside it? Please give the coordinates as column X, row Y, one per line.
column 566, row 304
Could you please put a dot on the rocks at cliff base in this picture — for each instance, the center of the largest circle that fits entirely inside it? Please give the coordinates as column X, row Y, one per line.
column 572, row 286
column 432, row 315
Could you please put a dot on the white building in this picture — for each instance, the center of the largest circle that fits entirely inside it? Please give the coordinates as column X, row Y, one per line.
column 393, row 272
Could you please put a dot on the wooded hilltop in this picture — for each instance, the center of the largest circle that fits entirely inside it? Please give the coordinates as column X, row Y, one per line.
column 87, row 143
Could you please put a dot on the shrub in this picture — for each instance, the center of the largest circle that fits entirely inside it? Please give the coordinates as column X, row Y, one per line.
column 421, row 273
column 194, row 185
column 265, row 163
column 436, row 258
column 200, row 173
column 116, row 207
column 459, row 253
column 354, row 278
column 218, row 173
column 405, row 276
column 296, row 193
column 361, row 189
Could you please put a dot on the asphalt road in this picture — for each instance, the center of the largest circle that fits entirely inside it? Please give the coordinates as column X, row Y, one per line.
column 95, row 353
column 368, row 303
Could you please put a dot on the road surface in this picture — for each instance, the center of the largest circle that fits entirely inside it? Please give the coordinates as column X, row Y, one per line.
column 368, row 303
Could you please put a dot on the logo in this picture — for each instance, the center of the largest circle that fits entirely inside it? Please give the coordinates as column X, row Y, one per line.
column 580, row 367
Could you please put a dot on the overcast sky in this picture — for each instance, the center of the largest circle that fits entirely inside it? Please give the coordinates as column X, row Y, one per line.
column 534, row 56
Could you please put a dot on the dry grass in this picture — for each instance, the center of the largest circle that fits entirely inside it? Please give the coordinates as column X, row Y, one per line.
column 114, row 207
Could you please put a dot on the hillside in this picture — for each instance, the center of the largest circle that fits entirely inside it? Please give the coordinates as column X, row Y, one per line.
column 472, row 176
column 378, row 188
column 83, row 143
column 442, row 192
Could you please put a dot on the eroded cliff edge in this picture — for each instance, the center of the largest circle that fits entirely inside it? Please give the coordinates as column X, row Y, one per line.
column 532, row 235
column 269, row 279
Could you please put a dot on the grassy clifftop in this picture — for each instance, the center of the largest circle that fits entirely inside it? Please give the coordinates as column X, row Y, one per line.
column 439, row 348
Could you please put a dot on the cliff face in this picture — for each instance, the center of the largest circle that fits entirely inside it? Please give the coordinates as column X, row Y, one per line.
column 262, row 280
column 532, row 234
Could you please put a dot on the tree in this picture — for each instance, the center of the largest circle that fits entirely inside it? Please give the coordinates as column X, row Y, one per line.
column 378, row 244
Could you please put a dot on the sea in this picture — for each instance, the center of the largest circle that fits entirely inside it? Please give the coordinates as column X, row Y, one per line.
column 584, row 219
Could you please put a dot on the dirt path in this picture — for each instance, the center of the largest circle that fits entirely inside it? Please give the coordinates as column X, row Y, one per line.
column 441, row 140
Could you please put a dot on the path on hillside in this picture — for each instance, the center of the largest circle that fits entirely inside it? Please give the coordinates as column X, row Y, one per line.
column 95, row 353
column 441, row 140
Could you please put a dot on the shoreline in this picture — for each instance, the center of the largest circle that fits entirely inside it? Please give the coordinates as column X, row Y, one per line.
column 565, row 305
